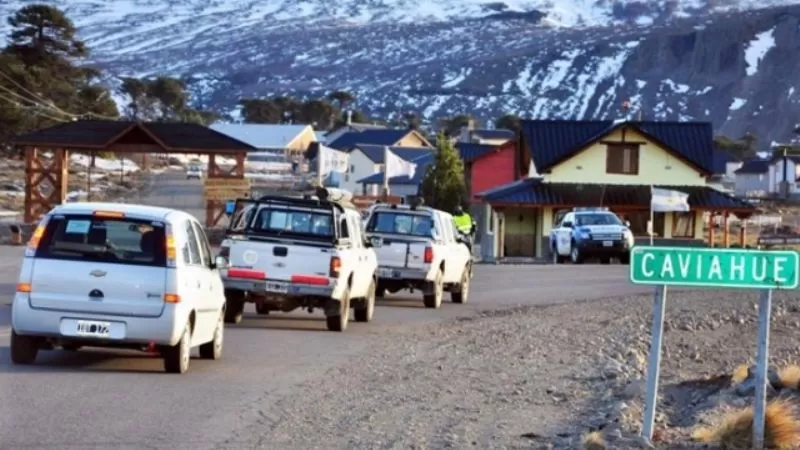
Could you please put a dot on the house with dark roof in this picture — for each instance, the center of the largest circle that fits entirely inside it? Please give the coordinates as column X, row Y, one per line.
column 368, row 159
column 611, row 164
column 391, row 137
column 486, row 136
column 337, row 132
column 752, row 178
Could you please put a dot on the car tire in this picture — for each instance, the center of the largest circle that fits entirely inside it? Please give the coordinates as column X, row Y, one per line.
column 575, row 254
column 605, row 260
column 462, row 294
column 380, row 291
column 23, row 348
column 176, row 357
column 234, row 306
column 71, row 347
column 557, row 259
column 434, row 300
column 625, row 259
column 213, row 348
column 262, row 309
column 366, row 308
column 339, row 321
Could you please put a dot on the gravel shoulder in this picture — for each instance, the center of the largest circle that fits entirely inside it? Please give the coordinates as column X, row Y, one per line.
column 533, row 377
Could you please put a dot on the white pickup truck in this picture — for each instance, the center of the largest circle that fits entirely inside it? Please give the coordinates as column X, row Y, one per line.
column 285, row 253
column 419, row 248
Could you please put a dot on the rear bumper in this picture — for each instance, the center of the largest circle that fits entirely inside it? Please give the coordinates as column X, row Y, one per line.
column 259, row 287
column 597, row 248
column 401, row 274
column 163, row 330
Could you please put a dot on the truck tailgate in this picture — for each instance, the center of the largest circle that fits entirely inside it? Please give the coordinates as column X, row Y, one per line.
column 280, row 261
column 400, row 252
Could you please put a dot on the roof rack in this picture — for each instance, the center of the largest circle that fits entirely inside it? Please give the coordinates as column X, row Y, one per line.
column 590, row 208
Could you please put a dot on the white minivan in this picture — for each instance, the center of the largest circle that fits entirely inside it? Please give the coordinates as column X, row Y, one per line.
column 118, row 276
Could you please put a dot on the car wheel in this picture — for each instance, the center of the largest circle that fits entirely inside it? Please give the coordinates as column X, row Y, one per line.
column 434, row 300
column 605, row 260
column 23, row 348
column 234, row 306
column 575, row 255
column 557, row 259
column 366, row 308
column 462, row 294
column 213, row 349
column 339, row 321
column 176, row 358
column 625, row 259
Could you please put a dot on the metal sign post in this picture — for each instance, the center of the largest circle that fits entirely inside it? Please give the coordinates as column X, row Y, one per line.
column 707, row 267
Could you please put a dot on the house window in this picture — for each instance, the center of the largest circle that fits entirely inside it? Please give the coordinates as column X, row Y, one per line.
column 622, row 159
column 683, row 225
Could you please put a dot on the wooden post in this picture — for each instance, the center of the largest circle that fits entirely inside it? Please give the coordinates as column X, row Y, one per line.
column 711, row 223
column 727, row 236
column 742, row 234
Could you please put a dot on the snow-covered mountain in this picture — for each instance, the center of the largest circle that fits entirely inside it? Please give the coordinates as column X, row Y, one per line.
column 733, row 62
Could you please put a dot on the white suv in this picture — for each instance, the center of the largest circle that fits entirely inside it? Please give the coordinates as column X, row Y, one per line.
column 118, row 275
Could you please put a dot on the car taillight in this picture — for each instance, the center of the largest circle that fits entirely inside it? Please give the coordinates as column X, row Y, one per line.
column 169, row 243
column 36, row 237
column 428, row 255
column 336, row 264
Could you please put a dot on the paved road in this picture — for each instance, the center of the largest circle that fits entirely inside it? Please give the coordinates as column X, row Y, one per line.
column 122, row 400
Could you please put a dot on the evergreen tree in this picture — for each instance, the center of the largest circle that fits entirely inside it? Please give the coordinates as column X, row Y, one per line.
column 443, row 184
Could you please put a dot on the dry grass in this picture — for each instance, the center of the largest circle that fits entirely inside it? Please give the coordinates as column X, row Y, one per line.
column 594, row 441
column 735, row 430
column 739, row 374
column 790, row 377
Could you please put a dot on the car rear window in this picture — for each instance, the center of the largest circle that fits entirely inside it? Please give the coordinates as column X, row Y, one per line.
column 317, row 223
column 102, row 239
column 401, row 223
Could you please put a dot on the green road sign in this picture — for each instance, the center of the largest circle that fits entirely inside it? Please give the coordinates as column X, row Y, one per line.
column 714, row 267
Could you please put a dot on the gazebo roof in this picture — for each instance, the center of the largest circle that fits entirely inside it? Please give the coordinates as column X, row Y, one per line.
column 170, row 137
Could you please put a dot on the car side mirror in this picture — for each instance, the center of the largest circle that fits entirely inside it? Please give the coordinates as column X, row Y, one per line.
column 628, row 223
column 375, row 242
column 219, row 263
column 435, row 234
column 567, row 225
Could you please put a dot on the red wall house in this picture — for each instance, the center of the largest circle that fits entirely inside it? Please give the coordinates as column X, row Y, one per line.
column 491, row 168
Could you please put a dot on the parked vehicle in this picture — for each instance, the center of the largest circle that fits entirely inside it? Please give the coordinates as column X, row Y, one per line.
column 194, row 172
column 420, row 248
column 588, row 233
column 284, row 253
column 118, row 276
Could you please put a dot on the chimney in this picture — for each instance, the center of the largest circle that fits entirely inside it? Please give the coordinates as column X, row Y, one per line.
column 466, row 131
column 349, row 116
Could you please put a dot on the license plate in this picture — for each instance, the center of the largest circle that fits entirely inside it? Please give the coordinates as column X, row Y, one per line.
column 388, row 273
column 277, row 288
column 93, row 329
column 608, row 243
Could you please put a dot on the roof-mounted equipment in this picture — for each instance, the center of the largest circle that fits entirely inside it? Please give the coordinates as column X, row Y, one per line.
column 590, row 209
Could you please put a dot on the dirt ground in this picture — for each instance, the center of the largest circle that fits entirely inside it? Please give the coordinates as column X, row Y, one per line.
column 537, row 377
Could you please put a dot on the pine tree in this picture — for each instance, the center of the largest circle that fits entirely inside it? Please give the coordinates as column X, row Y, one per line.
column 443, row 184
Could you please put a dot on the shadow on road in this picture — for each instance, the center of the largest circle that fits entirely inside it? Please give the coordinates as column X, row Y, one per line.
column 83, row 361
column 399, row 302
column 271, row 322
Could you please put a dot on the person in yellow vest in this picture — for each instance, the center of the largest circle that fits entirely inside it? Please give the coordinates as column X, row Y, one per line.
column 464, row 222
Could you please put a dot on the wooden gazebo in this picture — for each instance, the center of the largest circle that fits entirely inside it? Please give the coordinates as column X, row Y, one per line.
column 122, row 138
